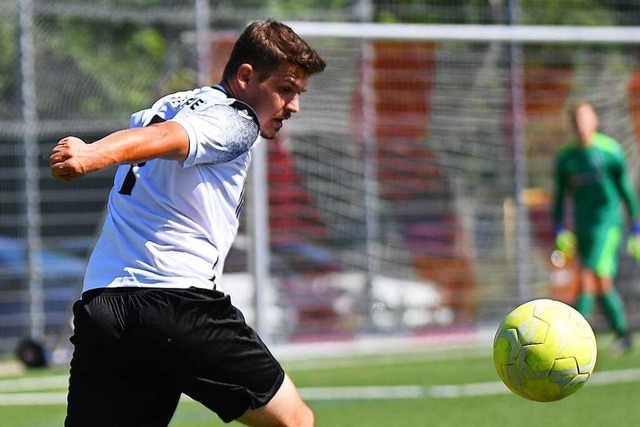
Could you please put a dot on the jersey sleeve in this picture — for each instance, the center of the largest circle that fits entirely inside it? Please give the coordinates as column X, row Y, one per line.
column 163, row 109
column 218, row 132
column 623, row 184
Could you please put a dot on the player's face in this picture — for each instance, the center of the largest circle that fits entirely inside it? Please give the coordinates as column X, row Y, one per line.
column 276, row 98
column 585, row 122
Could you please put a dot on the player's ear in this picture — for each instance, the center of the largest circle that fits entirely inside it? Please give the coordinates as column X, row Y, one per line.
column 244, row 75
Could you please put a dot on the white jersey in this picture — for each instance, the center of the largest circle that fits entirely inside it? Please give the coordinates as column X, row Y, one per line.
column 171, row 224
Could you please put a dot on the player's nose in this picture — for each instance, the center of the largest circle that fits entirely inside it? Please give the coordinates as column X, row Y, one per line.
column 293, row 106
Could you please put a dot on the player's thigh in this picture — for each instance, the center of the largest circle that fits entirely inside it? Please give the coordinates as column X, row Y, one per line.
column 221, row 361
column 598, row 250
column 105, row 400
column 108, row 385
column 286, row 408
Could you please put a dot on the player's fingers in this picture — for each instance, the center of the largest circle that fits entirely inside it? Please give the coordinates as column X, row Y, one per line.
column 59, row 160
column 59, row 153
column 65, row 141
column 60, row 145
column 61, row 171
column 58, row 172
column 56, row 158
column 64, row 145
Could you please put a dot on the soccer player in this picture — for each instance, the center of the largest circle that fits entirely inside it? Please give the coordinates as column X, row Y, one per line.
column 591, row 171
column 150, row 324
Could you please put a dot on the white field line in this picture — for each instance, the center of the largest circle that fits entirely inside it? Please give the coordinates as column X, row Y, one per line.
column 8, row 397
column 33, row 399
column 329, row 362
column 36, row 383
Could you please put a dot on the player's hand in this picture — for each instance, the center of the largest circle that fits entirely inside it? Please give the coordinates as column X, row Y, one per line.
column 633, row 243
column 566, row 243
column 633, row 246
column 65, row 159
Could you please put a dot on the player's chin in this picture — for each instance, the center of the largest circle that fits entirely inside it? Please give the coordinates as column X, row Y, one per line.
column 268, row 134
column 271, row 129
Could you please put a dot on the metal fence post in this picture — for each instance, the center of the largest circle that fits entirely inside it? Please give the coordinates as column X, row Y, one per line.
column 31, row 195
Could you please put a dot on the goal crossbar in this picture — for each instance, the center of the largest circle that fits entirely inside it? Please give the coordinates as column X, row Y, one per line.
column 464, row 32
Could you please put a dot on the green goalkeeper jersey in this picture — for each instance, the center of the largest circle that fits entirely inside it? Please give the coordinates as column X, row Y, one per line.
column 595, row 179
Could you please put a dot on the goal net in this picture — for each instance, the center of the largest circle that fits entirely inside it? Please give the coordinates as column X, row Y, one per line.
column 411, row 192
column 413, row 189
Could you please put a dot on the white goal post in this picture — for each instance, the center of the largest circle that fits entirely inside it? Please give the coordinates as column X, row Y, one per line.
column 464, row 32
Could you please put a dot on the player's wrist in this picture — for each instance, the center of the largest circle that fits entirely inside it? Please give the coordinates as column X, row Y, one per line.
column 557, row 229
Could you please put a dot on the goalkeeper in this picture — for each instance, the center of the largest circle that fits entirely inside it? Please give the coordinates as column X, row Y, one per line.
column 591, row 172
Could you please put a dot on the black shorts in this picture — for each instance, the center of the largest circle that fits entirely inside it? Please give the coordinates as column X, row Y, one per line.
column 136, row 351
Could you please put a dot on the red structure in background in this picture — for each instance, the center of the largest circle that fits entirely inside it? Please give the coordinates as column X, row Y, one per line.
column 408, row 171
column 292, row 208
column 547, row 89
column 633, row 96
column 546, row 93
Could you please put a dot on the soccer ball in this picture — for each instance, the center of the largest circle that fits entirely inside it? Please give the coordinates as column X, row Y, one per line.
column 544, row 350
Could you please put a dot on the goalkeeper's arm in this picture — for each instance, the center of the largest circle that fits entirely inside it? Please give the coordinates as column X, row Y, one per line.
column 633, row 243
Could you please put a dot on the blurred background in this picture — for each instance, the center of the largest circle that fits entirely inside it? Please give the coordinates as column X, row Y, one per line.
column 410, row 195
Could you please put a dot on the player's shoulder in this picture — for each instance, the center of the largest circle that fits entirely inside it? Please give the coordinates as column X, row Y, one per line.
column 607, row 144
column 239, row 109
column 566, row 149
column 214, row 101
column 215, row 116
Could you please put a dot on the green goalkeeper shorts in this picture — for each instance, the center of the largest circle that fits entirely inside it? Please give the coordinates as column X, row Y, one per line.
column 598, row 249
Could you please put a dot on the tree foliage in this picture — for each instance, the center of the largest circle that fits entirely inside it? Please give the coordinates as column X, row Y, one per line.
column 127, row 63
column 8, row 61
column 123, row 61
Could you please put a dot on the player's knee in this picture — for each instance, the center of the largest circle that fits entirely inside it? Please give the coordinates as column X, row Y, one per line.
column 285, row 410
column 306, row 418
column 295, row 410
column 299, row 416
column 302, row 417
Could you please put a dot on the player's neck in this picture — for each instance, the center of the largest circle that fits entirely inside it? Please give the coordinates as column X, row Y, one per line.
column 585, row 138
column 227, row 88
column 221, row 88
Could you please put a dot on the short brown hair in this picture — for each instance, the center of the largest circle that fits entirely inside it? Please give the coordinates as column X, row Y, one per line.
column 266, row 45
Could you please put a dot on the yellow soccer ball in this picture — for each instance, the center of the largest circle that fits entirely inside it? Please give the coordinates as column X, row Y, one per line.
column 544, row 350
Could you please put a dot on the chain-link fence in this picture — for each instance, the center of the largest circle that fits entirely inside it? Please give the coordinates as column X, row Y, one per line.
column 391, row 197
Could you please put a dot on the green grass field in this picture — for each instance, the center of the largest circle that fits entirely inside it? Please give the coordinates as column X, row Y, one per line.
column 452, row 387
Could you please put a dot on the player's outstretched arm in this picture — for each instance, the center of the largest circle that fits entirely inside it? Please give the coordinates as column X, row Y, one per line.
column 72, row 157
